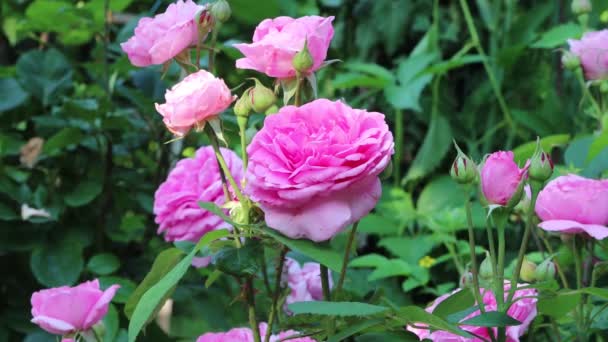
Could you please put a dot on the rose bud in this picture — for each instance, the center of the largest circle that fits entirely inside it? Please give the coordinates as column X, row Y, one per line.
column 466, row 280
column 545, row 270
column 221, row 10
column 581, row 7
column 570, row 60
column 303, row 61
column 485, row 268
column 502, row 181
column 541, row 165
column 464, row 170
column 527, row 272
column 260, row 97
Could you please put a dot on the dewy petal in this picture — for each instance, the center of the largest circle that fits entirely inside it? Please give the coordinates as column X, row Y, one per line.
column 596, row 231
column 53, row 325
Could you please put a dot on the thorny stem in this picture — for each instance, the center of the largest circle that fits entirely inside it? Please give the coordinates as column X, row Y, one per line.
column 276, row 293
column 474, row 268
column 249, row 293
column 327, row 296
column 349, row 244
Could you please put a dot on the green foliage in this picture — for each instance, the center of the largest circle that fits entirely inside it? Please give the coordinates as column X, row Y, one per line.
column 491, row 319
column 336, row 308
column 103, row 264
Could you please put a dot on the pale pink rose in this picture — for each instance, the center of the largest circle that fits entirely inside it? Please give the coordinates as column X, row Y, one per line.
column 67, row 340
column 64, row 310
column 193, row 180
column 592, row 50
column 246, row 335
column 314, row 169
column 163, row 37
column 197, row 98
column 304, row 282
column 500, row 177
column 574, row 204
column 276, row 41
column 523, row 310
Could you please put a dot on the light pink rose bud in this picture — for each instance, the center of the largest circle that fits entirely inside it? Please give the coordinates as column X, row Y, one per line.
column 304, row 282
column 159, row 39
column 197, row 98
column 64, row 310
column 193, row 180
column 573, row 204
column 593, row 53
column 314, row 169
column 277, row 41
column 501, row 178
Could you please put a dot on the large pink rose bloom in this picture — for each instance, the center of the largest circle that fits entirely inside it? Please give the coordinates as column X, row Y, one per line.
column 246, row 335
column 197, row 98
column 276, row 41
column 193, row 180
column 304, row 282
column 163, row 37
column 500, row 177
column 574, row 204
column 592, row 50
column 64, row 310
column 314, row 169
column 523, row 310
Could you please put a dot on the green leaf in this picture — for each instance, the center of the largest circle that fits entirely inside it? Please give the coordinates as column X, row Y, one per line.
column 368, row 260
column 153, row 297
column 336, row 308
column 239, row 261
column 354, row 329
column 525, row 151
column 74, row 24
column 391, row 268
column 445, row 66
column 594, row 291
column 214, row 208
column 491, row 319
column 127, row 286
column 44, row 74
column 414, row 314
column 163, row 264
column 558, row 306
column 439, row 194
column 436, row 144
column 103, row 264
column 558, row 35
column 11, row 94
column 456, row 302
column 111, row 324
column 84, row 193
column 252, row 15
column 62, row 139
column 599, row 144
column 411, row 82
column 319, row 252
column 57, row 263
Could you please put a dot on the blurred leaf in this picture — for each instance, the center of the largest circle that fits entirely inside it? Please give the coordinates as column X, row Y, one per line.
column 73, row 23
column 84, row 193
column 487, row 14
column 368, row 260
column 414, row 314
column 252, row 15
column 436, row 144
column 57, row 263
column 103, row 264
column 558, row 306
column 391, row 268
column 127, row 287
column 456, row 302
column 410, row 82
column 7, row 213
column 319, row 252
column 558, row 35
column 11, row 94
column 376, row 224
column 153, row 297
column 163, row 264
column 62, row 139
column 599, row 144
column 335, row 308
column 491, row 319
column 441, row 193
column 44, row 74
column 353, row 329
column 525, row 151
column 239, row 261
column 445, row 66
column 397, row 206
column 111, row 324
column 577, row 152
column 410, row 249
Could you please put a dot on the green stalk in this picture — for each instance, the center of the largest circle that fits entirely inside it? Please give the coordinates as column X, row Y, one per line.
column 578, row 264
column 298, row 96
column 276, row 293
column 499, row 282
column 327, row 297
column 587, row 94
column 251, row 309
column 491, row 248
column 474, row 268
column 349, row 244
column 224, row 166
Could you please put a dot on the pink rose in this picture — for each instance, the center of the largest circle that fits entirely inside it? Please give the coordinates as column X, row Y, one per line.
column 193, row 180
column 246, row 335
column 163, row 37
column 191, row 102
column 64, row 310
column 276, row 41
column 500, row 177
column 592, row 50
column 574, row 204
column 523, row 310
column 304, row 282
column 314, row 169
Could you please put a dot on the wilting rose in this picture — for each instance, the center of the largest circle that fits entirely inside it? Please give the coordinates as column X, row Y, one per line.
column 500, row 177
column 193, row 180
column 592, row 50
column 64, row 310
column 314, row 169
column 574, row 204
column 246, row 335
column 276, row 41
column 304, row 282
column 196, row 99
column 159, row 39
column 523, row 309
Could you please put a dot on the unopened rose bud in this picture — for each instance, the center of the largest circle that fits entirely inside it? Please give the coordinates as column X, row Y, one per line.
column 485, row 268
column 303, row 61
column 466, row 280
column 242, row 107
column 581, row 7
column 205, row 23
column 464, row 170
column 541, row 165
column 570, row 60
column 221, row 10
column 527, row 272
column 272, row 110
column 545, row 270
column 261, row 98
